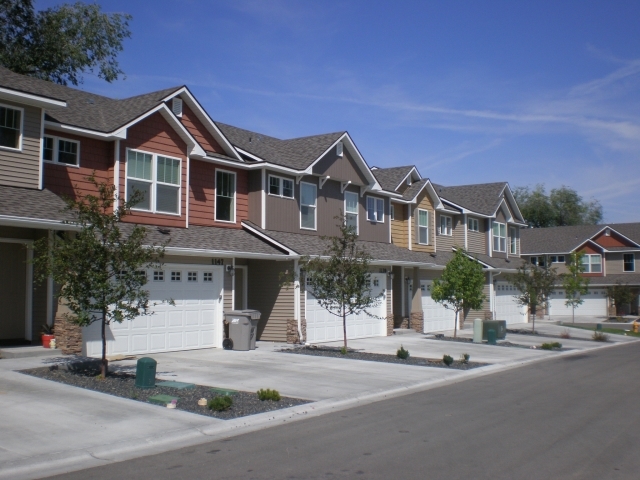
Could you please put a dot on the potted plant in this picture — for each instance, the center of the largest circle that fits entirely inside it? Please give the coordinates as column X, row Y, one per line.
column 47, row 335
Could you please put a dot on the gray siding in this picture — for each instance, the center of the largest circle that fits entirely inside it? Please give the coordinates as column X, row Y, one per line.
column 283, row 214
column 444, row 243
column 615, row 263
column 341, row 169
column 485, row 312
column 255, row 197
column 22, row 168
column 477, row 241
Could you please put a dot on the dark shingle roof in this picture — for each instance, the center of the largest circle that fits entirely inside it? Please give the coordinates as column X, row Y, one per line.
column 85, row 110
column 565, row 239
column 628, row 278
column 33, row 204
column 390, row 178
column 482, row 198
column 296, row 153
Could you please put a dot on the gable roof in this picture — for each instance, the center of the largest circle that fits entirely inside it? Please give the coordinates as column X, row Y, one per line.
column 390, row 178
column 482, row 198
column 568, row 238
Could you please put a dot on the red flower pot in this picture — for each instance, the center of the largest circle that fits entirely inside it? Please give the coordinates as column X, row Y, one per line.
column 46, row 340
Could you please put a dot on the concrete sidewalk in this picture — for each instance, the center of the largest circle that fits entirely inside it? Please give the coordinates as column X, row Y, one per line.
column 50, row 428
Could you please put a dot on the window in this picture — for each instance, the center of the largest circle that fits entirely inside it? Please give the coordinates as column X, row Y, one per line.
column 556, row 258
column 158, row 276
column 592, row 263
column 423, row 226
column 281, row 187
column 375, row 209
column 392, row 212
column 513, row 241
column 10, row 127
column 445, row 225
column 629, row 262
column 473, row 225
column 176, row 276
column 192, row 276
column 207, row 277
column 225, row 196
column 499, row 237
column 60, row 150
column 351, row 210
column 157, row 178
column 538, row 261
column 307, row 206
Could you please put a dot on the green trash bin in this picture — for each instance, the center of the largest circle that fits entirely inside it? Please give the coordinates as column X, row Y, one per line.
column 146, row 373
column 491, row 336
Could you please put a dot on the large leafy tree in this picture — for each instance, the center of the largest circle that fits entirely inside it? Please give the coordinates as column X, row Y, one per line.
column 460, row 288
column 339, row 278
column 100, row 270
column 574, row 284
column 620, row 294
column 562, row 206
column 60, row 43
column 535, row 285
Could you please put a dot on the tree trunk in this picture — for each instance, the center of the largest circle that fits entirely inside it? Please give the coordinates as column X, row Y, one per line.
column 455, row 326
column 573, row 314
column 533, row 321
column 344, row 327
column 104, row 367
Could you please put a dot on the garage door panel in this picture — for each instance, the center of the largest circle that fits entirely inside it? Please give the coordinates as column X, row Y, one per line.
column 139, row 343
column 594, row 305
column 140, row 323
column 175, row 340
column 192, row 318
column 437, row 317
column 120, row 345
column 208, row 338
column 158, row 341
column 175, row 319
column 208, row 317
column 192, row 339
column 506, row 304
column 158, row 320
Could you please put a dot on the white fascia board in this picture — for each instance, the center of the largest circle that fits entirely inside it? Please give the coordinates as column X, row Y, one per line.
column 30, row 98
column 195, row 148
column 250, row 155
column 267, row 238
column 119, row 134
column 202, row 252
column 413, row 169
column 470, row 256
column 588, row 240
column 13, row 221
column 204, row 117
column 508, row 215
column 400, row 263
column 512, row 200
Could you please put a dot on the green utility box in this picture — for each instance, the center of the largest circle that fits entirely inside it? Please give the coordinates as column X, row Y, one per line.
column 491, row 336
column 146, row 373
column 500, row 327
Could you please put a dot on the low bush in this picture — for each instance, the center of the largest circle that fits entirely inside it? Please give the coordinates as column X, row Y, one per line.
column 343, row 350
column 600, row 336
column 220, row 404
column 447, row 360
column 464, row 358
column 268, row 394
column 402, row 353
column 550, row 346
column 565, row 333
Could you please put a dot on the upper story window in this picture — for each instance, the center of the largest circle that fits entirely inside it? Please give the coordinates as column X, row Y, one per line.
column 473, row 225
column 375, row 209
column 499, row 237
column 538, row 261
column 513, row 241
column 308, row 199
column 629, row 262
column 61, row 150
column 351, row 210
column 556, row 258
column 281, row 187
column 158, row 178
column 225, row 196
column 10, row 127
column 446, row 225
column 592, row 263
column 423, row 226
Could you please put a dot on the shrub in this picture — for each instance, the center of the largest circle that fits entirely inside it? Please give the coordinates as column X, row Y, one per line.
column 464, row 358
column 343, row 350
column 402, row 353
column 600, row 336
column 556, row 345
column 268, row 394
column 220, row 404
column 550, row 346
column 447, row 360
column 565, row 333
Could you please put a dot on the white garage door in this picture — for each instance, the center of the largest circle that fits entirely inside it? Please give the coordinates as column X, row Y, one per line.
column 323, row 326
column 506, row 306
column 594, row 305
column 436, row 317
column 195, row 321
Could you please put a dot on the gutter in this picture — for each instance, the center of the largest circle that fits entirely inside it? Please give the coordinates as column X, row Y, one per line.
column 13, row 221
column 203, row 252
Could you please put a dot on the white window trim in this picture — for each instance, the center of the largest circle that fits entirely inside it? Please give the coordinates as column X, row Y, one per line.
column 634, row 263
column 444, row 217
column 281, row 187
column 420, row 226
column 12, row 149
column 153, row 182
column 315, row 208
column 590, row 263
column 375, row 200
column 471, row 221
column 55, row 151
column 357, row 214
column 493, row 236
column 235, row 195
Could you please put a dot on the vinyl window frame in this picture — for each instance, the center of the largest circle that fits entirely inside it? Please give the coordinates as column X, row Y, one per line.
column 501, row 237
column 625, row 262
column 448, row 225
column 556, row 259
column 421, row 227
column 588, row 265
column 314, row 206
column 280, row 193
column 21, row 133
column 538, row 261
column 234, row 201
column 473, row 225
column 356, row 213
column 376, row 203
column 56, row 151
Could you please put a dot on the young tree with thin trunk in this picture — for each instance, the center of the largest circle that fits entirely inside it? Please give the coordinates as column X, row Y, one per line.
column 340, row 279
column 535, row 285
column 574, row 284
column 460, row 288
column 99, row 269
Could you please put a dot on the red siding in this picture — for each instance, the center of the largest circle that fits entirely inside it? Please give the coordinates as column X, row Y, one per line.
column 199, row 131
column 155, row 135
column 614, row 240
column 95, row 156
column 202, row 195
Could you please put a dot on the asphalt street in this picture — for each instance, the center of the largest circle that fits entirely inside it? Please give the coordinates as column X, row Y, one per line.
column 572, row 417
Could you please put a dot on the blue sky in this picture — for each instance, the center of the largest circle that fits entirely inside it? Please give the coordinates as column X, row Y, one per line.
column 469, row 91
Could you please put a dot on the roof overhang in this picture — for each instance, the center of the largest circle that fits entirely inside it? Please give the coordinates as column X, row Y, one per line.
column 27, row 222
column 291, row 253
column 30, row 98
column 591, row 242
column 204, row 252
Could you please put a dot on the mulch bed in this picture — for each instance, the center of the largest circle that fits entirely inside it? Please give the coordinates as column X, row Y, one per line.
column 122, row 384
column 378, row 357
column 499, row 343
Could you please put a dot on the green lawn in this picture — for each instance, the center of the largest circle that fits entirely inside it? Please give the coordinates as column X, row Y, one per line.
column 614, row 331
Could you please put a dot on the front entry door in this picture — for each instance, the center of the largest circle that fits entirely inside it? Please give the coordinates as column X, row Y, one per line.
column 13, row 291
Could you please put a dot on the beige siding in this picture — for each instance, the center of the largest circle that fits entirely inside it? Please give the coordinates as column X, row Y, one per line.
column 477, row 241
column 486, row 306
column 615, row 263
column 424, row 203
column 22, row 168
column 274, row 301
column 399, row 227
column 445, row 243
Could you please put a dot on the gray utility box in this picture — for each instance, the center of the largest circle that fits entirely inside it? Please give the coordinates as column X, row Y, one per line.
column 243, row 328
column 500, row 327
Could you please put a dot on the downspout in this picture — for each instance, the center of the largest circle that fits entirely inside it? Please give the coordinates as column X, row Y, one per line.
column 49, row 320
column 466, row 224
column 409, row 224
column 116, row 172
column 296, row 299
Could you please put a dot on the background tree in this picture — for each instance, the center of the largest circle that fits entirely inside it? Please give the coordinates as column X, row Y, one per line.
column 460, row 287
column 534, row 284
column 100, row 270
column 340, row 278
column 60, row 43
column 563, row 206
column 620, row 294
column 574, row 284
